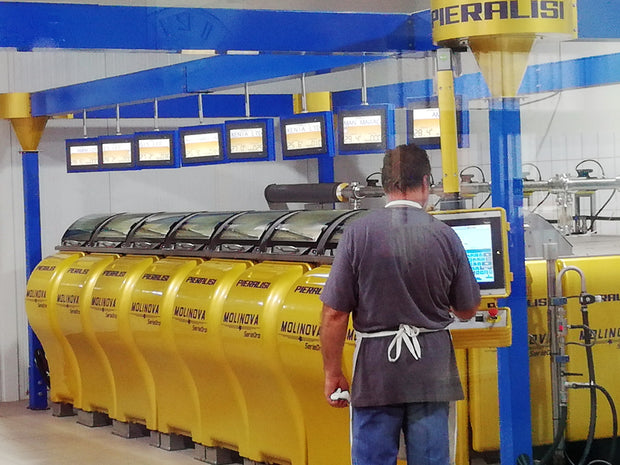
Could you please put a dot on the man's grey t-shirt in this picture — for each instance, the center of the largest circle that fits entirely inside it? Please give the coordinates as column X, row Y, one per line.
column 395, row 266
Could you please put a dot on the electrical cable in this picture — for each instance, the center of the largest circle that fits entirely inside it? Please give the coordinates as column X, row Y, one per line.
column 541, row 202
column 614, row 416
column 484, row 201
column 473, row 166
column 372, row 174
column 542, row 99
column 595, row 217
column 587, row 337
column 559, row 436
column 537, row 170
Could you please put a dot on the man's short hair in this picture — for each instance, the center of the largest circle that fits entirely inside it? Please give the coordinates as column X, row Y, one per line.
column 404, row 168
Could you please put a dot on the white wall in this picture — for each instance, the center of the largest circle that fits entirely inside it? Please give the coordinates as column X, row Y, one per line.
column 556, row 134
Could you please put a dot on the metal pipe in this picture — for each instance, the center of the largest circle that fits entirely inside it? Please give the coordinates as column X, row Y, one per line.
column 358, row 191
column 247, row 100
column 304, row 102
column 364, row 86
column 118, row 119
column 201, row 114
column 156, row 115
column 550, row 253
column 84, row 131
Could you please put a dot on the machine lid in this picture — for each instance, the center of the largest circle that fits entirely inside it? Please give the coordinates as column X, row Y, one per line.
column 247, row 229
column 304, row 226
column 80, row 232
column 153, row 232
column 197, row 230
column 115, row 231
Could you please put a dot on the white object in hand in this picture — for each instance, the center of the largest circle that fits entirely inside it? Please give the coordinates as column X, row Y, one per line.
column 339, row 394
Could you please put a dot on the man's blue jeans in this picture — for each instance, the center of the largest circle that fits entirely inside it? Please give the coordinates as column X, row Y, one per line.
column 376, row 434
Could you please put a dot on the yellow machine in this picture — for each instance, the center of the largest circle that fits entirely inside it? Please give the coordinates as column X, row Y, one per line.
column 151, row 310
column 95, row 387
column 298, row 323
column 41, row 295
column 195, row 326
column 134, row 390
column 483, row 364
column 249, row 338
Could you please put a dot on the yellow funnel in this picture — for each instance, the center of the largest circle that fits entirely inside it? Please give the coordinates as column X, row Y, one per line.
column 501, row 33
column 29, row 131
column 502, row 60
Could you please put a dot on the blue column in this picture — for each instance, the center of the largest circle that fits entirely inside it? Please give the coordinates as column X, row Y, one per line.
column 326, row 169
column 513, row 362
column 32, row 218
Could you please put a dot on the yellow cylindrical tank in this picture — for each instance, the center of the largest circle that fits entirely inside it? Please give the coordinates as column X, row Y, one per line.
column 150, row 315
column 273, row 429
column 41, row 292
column 73, row 311
column 134, row 390
column 195, row 326
column 299, row 320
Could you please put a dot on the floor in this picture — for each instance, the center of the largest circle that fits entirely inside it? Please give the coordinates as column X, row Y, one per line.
column 35, row 437
column 29, row 437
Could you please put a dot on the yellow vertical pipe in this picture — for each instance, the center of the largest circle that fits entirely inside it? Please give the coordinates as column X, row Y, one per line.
column 447, row 122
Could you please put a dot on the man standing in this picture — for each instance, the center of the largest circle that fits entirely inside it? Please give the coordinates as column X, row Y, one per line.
column 401, row 273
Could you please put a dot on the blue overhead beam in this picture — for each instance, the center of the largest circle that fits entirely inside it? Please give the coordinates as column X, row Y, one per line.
column 191, row 77
column 213, row 106
column 26, row 26
column 598, row 19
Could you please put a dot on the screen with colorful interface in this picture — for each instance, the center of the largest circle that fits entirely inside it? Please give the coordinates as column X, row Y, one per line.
column 484, row 237
column 477, row 240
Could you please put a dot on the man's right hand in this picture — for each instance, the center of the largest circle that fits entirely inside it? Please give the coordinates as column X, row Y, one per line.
column 332, row 384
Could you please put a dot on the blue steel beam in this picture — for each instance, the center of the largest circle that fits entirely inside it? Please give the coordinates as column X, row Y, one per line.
column 191, row 77
column 214, row 106
column 30, row 25
column 598, row 19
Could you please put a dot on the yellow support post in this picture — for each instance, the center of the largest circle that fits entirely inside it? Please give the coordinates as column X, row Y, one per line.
column 315, row 101
column 447, row 124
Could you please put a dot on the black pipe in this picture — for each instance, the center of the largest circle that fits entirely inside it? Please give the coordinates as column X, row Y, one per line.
column 303, row 193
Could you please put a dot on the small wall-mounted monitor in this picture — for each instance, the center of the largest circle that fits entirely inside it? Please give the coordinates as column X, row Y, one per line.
column 117, row 152
column 157, row 149
column 202, row 144
column 307, row 135
column 423, row 127
column 250, row 140
column 365, row 129
column 484, row 236
column 82, row 155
